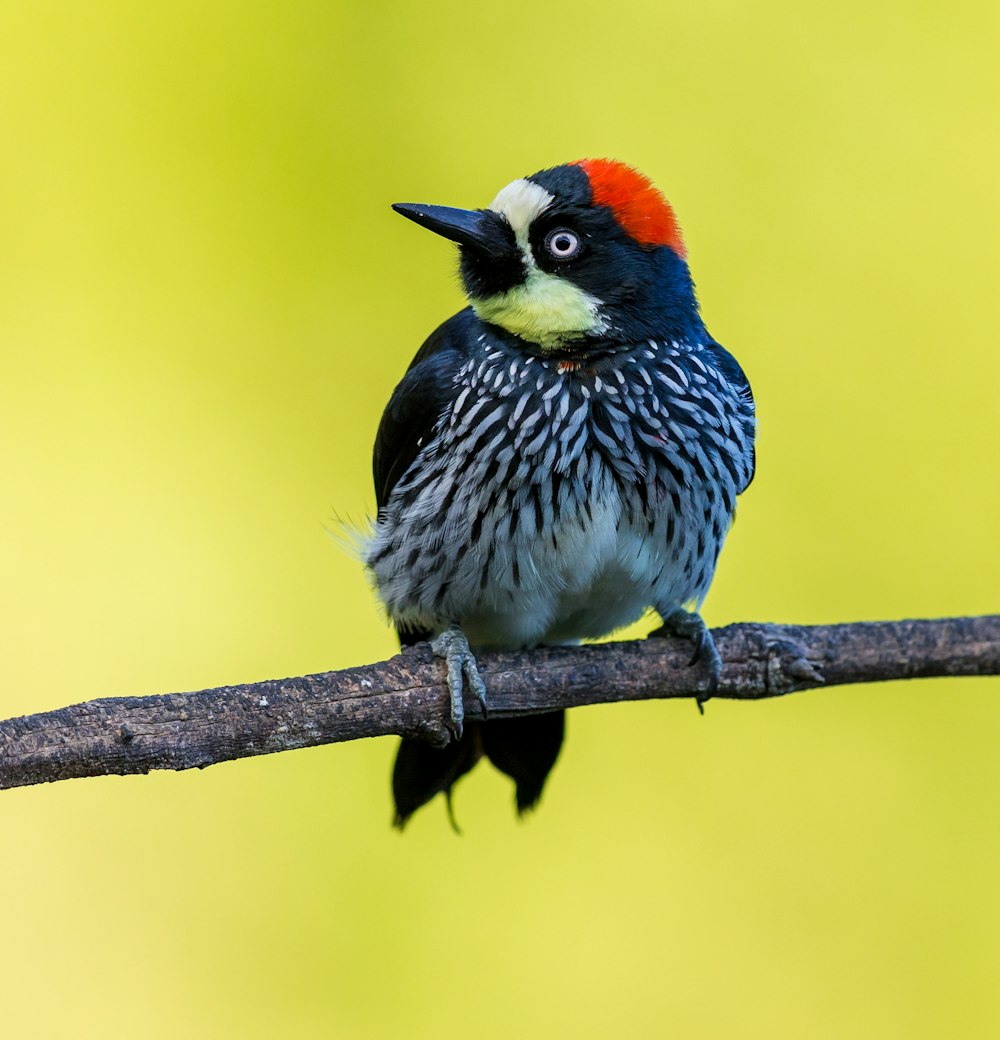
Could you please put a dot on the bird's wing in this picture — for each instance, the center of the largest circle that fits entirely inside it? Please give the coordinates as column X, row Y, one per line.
column 408, row 422
column 417, row 404
column 731, row 371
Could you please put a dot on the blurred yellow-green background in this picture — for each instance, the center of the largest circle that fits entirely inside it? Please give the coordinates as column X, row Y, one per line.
column 205, row 302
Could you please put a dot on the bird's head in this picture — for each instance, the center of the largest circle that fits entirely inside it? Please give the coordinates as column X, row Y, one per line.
column 573, row 256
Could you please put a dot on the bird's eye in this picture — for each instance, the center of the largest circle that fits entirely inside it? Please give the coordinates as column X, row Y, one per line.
column 562, row 243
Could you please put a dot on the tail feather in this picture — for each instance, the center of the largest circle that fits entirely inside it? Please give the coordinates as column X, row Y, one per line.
column 423, row 771
column 526, row 749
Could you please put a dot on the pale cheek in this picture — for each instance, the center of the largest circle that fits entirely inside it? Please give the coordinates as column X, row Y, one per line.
column 546, row 310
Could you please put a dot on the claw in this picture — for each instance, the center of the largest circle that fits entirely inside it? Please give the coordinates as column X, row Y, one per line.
column 453, row 647
column 698, row 638
column 689, row 625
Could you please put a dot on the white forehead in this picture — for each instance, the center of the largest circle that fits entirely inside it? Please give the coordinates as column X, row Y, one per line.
column 521, row 202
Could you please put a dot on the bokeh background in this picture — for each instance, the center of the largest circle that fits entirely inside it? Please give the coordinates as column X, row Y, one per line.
column 204, row 304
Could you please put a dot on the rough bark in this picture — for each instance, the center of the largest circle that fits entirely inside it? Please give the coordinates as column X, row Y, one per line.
column 406, row 695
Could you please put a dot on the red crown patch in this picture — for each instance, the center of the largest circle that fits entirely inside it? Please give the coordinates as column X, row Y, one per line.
column 635, row 201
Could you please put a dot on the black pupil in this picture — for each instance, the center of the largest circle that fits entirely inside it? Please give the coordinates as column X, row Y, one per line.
column 563, row 243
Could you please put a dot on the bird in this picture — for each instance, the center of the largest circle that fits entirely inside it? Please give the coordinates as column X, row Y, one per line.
column 560, row 458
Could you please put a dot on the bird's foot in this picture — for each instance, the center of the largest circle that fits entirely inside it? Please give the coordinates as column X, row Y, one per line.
column 453, row 647
column 689, row 625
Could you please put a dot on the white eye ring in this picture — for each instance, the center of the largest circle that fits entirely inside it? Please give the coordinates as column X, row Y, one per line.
column 562, row 243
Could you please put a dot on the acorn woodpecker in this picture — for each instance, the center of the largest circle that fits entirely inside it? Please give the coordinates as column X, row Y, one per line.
column 560, row 457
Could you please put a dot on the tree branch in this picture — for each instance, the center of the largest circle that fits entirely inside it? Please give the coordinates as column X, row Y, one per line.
column 406, row 695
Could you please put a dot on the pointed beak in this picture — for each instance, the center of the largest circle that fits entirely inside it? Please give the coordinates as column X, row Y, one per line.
column 481, row 229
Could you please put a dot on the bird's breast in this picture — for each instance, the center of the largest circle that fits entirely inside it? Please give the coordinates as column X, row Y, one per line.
column 555, row 502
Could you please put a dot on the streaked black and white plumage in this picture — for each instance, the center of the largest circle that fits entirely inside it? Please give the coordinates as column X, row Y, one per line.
column 561, row 456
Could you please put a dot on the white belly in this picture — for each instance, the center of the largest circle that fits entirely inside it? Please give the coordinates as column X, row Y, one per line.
column 597, row 577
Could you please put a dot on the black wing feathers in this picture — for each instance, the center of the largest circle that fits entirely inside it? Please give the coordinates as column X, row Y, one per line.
column 417, row 403
column 736, row 377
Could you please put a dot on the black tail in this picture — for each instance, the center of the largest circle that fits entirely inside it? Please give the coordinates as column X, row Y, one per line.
column 524, row 748
column 423, row 770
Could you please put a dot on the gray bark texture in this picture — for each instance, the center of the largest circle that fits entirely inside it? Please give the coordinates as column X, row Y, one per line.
column 407, row 695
